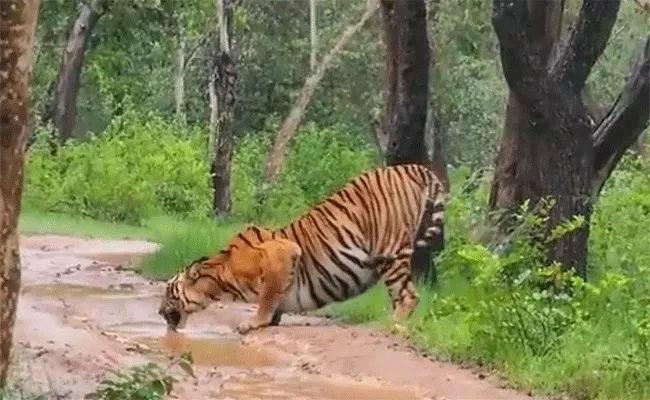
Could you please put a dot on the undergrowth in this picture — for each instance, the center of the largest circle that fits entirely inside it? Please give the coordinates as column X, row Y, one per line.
column 142, row 382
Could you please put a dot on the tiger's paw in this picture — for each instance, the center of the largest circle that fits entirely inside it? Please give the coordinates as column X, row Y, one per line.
column 248, row 325
column 244, row 327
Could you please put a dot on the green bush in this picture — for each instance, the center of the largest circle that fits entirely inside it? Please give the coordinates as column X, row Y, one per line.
column 142, row 166
column 320, row 161
column 139, row 167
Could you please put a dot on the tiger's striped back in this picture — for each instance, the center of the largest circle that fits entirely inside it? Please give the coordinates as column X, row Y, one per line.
column 377, row 213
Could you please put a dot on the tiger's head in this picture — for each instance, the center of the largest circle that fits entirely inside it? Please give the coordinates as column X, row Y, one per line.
column 186, row 293
column 207, row 280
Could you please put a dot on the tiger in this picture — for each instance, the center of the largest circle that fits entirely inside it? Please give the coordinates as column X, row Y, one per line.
column 363, row 233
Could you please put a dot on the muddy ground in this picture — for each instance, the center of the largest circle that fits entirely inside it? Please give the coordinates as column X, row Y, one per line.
column 83, row 312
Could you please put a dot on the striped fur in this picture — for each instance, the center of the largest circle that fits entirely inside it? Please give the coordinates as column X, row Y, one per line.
column 364, row 233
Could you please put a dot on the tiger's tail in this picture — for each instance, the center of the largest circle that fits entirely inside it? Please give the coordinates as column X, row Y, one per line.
column 431, row 232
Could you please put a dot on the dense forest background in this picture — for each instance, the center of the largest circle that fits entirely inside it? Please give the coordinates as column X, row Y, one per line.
column 163, row 108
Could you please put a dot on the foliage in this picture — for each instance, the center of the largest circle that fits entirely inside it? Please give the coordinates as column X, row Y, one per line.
column 139, row 167
column 143, row 382
column 143, row 166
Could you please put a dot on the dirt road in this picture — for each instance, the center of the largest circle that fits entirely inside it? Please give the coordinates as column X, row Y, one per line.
column 83, row 312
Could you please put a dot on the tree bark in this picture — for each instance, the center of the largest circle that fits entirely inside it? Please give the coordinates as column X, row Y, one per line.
column 407, row 121
column 224, row 81
column 515, row 178
column 313, row 34
column 389, row 43
column 16, row 38
column 63, row 109
column 435, row 128
column 179, row 84
column 287, row 131
column 547, row 147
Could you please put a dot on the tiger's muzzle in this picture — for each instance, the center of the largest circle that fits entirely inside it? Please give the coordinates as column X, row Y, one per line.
column 172, row 317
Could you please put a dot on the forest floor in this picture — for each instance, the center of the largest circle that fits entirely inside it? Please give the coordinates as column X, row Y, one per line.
column 84, row 311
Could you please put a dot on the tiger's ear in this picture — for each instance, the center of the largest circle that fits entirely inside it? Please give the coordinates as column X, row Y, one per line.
column 192, row 273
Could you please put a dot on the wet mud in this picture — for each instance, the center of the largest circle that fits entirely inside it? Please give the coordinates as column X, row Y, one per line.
column 83, row 311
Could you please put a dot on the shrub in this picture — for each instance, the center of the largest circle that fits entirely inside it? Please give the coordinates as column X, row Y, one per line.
column 136, row 168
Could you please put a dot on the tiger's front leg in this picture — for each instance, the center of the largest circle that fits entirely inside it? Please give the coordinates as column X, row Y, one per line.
column 278, row 263
column 266, row 316
column 267, row 312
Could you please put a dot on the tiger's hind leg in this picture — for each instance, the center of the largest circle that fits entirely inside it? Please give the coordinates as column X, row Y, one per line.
column 278, row 259
column 398, row 278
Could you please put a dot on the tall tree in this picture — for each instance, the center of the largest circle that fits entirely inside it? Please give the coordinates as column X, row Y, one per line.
column 16, row 37
column 551, row 146
column 407, row 64
column 62, row 111
column 223, row 86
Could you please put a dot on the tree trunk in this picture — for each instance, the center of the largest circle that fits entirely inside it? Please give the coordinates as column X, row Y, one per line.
column 547, row 148
column 407, row 121
column 16, row 37
column 435, row 129
column 63, row 109
column 516, row 174
column 179, row 84
column 224, row 81
column 389, row 44
column 287, row 131
column 313, row 30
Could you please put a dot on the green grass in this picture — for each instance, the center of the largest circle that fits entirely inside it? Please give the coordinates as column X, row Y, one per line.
column 186, row 242
column 35, row 222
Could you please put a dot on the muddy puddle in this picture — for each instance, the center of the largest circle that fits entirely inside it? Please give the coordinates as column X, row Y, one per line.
column 216, row 347
column 60, row 289
column 278, row 387
column 213, row 352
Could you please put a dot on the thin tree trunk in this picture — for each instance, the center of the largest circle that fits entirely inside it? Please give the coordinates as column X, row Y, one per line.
column 224, row 81
column 16, row 37
column 313, row 30
column 63, row 109
column 290, row 125
column 389, row 43
column 214, row 114
column 179, row 86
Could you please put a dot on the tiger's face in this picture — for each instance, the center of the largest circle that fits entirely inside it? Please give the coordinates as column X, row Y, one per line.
column 185, row 293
